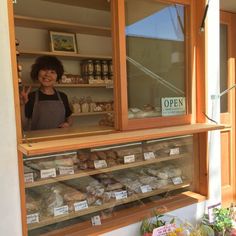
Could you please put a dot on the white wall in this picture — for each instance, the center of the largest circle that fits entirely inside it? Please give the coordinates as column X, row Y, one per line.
column 10, row 224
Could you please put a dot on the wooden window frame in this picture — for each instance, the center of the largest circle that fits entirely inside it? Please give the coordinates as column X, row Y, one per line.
column 119, row 59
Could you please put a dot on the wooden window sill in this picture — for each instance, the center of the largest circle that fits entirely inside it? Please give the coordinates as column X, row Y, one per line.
column 67, row 144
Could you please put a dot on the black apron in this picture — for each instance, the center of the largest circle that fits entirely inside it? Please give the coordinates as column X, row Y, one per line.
column 47, row 114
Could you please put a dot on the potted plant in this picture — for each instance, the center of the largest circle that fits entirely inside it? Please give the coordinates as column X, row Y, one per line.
column 223, row 221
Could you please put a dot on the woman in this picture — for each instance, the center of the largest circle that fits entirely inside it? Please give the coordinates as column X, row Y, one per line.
column 46, row 108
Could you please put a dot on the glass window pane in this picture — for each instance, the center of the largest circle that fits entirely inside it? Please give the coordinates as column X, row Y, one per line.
column 156, row 68
column 223, row 67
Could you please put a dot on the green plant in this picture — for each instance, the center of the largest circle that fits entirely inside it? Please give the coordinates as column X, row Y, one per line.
column 222, row 221
column 148, row 225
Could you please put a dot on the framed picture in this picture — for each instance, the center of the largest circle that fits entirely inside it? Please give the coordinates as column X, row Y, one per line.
column 63, row 42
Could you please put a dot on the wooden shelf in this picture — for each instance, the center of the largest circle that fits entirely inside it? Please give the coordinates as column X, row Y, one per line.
column 92, row 209
column 25, row 53
column 91, row 113
column 61, row 26
column 93, row 4
column 74, row 143
column 98, row 85
column 85, row 173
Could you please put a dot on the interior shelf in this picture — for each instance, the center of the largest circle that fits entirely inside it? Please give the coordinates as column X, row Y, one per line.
column 81, row 173
column 28, row 53
column 98, row 85
column 93, row 4
column 91, row 113
column 58, row 25
column 92, row 209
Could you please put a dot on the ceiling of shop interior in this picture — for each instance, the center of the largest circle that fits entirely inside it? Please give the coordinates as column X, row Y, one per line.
column 228, row 5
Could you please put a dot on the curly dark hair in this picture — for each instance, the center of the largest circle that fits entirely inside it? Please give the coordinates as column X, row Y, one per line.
column 49, row 63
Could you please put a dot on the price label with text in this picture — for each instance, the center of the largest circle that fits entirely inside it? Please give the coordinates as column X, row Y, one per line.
column 48, row 173
column 174, row 151
column 66, row 170
column 177, row 180
column 99, row 164
column 61, row 210
column 149, row 155
column 146, row 188
column 29, row 177
column 129, row 159
column 96, row 220
column 121, row 195
column 80, row 205
column 33, row 218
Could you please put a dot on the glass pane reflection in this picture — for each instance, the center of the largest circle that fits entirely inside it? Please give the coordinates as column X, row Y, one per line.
column 155, row 40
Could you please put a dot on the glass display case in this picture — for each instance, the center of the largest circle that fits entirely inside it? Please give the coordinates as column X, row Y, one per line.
column 89, row 186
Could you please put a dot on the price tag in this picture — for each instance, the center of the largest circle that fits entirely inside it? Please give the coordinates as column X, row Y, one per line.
column 177, row 180
column 48, row 173
column 163, row 230
column 99, row 164
column 66, row 170
column 149, row 155
column 29, row 177
column 109, row 85
column 129, row 159
column 96, row 220
column 80, row 205
column 146, row 188
column 174, row 151
column 33, row 218
column 61, row 210
column 121, row 195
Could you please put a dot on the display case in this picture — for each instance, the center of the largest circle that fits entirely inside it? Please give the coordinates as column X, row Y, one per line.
column 97, row 184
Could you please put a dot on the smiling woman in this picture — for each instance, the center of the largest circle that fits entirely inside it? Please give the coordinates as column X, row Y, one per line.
column 46, row 108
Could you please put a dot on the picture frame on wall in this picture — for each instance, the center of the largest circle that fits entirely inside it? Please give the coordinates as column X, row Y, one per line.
column 63, row 42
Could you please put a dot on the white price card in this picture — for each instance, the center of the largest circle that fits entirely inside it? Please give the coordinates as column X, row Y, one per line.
column 33, row 218
column 149, row 155
column 61, row 210
column 96, row 220
column 80, row 205
column 177, row 180
column 146, row 188
column 163, row 230
column 129, row 159
column 121, row 195
column 66, row 170
column 99, row 164
column 29, row 177
column 48, row 173
column 174, row 151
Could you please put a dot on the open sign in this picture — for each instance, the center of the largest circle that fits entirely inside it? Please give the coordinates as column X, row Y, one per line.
column 172, row 106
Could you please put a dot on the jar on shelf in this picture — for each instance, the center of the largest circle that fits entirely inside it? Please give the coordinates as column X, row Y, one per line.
column 104, row 67
column 110, row 67
column 97, row 67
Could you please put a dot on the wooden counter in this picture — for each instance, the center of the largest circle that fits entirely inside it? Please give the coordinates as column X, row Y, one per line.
column 34, row 147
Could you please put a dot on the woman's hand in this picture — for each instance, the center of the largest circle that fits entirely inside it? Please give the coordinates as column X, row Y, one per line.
column 24, row 94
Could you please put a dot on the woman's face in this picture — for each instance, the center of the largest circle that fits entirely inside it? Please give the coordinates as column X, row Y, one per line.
column 47, row 77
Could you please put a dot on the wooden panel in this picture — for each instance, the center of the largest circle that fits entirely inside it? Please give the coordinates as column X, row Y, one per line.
column 228, row 135
column 38, row 148
column 225, row 157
